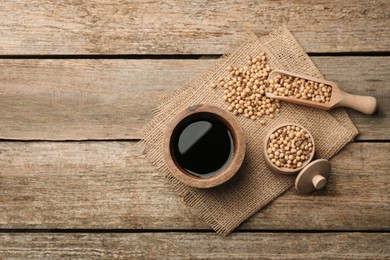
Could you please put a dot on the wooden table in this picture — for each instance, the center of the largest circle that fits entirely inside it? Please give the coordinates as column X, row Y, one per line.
column 78, row 80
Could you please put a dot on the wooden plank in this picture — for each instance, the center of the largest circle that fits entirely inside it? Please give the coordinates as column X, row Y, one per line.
column 196, row 246
column 109, row 185
column 196, row 27
column 84, row 99
column 112, row 99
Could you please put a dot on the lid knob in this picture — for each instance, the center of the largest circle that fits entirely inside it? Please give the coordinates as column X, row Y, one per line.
column 319, row 182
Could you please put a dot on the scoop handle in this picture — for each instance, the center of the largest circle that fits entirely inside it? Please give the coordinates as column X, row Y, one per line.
column 364, row 104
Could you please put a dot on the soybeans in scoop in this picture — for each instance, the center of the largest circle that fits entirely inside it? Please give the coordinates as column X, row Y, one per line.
column 334, row 97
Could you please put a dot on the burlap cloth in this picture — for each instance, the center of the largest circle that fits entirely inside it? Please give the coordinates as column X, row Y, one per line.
column 255, row 185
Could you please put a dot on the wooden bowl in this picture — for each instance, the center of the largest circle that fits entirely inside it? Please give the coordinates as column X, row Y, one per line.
column 284, row 170
column 238, row 152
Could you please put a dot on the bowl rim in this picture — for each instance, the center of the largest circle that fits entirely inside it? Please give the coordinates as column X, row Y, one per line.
column 284, row 170
column 238, row 153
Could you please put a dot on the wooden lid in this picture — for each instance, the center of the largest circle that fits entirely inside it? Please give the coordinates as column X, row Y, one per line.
column 313, row 177
column 238, row 154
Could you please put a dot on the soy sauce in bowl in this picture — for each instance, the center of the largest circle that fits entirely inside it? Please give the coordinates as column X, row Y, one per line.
column 202, row 145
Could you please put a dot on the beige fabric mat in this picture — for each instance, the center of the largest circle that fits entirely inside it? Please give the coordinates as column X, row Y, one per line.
column 255, row 185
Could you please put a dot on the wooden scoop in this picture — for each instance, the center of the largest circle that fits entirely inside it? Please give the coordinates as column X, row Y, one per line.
column 364, row 104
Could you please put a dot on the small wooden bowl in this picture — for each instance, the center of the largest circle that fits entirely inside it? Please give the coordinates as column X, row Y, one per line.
column 284, row 170
column 238, row 153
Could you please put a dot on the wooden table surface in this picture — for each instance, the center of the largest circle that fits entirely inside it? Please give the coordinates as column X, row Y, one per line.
column 78, row 80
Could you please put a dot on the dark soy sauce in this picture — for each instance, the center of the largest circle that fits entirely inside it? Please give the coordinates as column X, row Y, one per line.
column 202, row 145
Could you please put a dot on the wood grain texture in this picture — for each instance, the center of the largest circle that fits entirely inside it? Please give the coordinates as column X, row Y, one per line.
column 112, row 99
column 196, row 246
column 109, row 185
column 182, row 27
